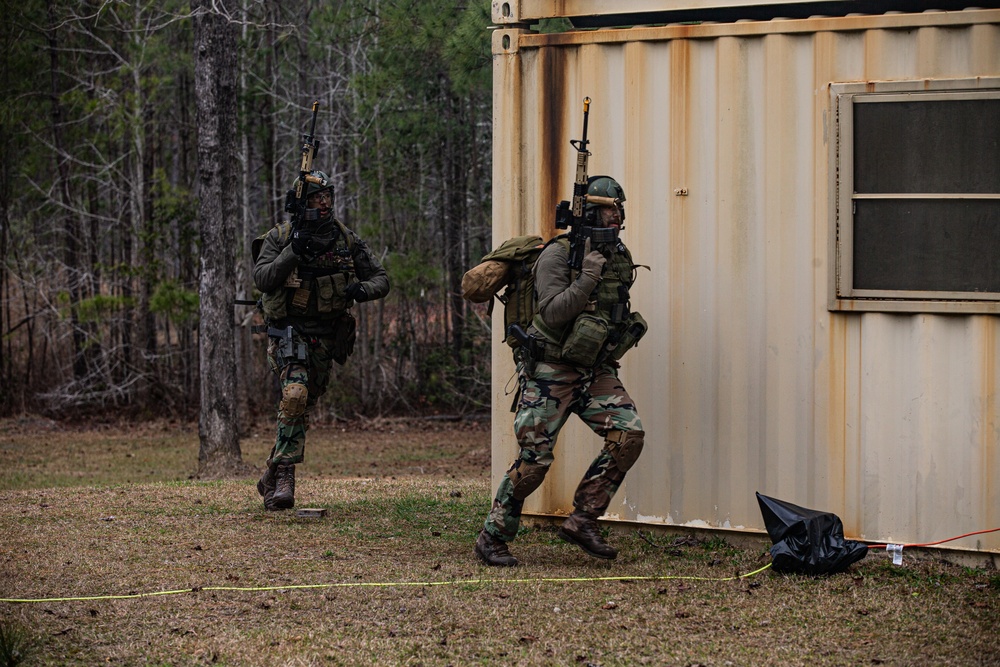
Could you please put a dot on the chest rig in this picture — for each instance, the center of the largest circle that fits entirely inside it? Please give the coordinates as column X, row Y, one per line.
column 606, row 328
column 317, row 288
column 610, row 301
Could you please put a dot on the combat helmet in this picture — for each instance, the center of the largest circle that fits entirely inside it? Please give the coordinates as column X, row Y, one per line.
column 315, row 182
column 604, row 191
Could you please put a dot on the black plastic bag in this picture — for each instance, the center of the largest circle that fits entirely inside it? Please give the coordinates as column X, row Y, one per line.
column 807, row 541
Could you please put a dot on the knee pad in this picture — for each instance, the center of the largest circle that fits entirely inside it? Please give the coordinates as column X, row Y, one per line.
column 293, row 399
column 526, row 477
column 624, row 447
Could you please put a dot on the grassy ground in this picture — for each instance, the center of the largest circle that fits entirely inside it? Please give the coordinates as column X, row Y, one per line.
column 388, row 576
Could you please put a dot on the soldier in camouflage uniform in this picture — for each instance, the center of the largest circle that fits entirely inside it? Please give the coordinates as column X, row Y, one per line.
column 310, row 278
column 559, row 379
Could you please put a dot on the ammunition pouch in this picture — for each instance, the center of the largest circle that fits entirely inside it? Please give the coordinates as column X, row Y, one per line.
column 635, row 329
column 585, row 341
column 331, row 293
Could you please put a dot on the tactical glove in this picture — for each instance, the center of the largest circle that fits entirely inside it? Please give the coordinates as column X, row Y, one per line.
column 593, row 264
column 301, row 239
column 357, row 292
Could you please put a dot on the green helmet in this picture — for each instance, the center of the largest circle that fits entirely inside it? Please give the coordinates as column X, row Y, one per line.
column 605, row 186
column 316, row 181
column 314, row 187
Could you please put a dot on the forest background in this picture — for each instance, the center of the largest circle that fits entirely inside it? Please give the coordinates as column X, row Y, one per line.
column 105, row 238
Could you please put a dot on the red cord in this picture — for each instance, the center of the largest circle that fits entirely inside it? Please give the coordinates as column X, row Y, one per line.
column 931, row 544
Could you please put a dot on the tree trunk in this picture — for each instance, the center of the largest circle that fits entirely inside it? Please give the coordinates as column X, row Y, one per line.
column 244, row 343
column 187, row 271
column 6, row 368
column 142, row 215
column 454, row 193
column 215, row 91
column 71, row 227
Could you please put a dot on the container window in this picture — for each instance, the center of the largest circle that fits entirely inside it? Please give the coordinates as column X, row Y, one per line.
column 917, row 200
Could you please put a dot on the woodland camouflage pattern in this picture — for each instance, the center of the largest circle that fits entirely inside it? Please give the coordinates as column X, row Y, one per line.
column 570, row 367
column 289, row 445
column 548, row 398
column 319, row 324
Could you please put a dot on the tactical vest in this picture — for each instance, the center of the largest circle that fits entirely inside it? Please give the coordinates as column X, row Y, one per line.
column 607, row 321
column 317, row 288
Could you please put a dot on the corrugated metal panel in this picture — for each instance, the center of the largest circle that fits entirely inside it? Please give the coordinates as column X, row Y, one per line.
column 746, row 381
column 597, row 13
column 536, row 9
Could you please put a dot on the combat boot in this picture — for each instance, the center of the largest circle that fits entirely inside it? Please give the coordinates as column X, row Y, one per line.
column 284, row 487
column 493, row 551
column 265, row 487
column 582, row 530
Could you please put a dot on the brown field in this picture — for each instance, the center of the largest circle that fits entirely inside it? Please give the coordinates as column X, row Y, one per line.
column 388, row 575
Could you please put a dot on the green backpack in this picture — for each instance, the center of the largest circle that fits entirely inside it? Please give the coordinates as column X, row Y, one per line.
column 508, row 266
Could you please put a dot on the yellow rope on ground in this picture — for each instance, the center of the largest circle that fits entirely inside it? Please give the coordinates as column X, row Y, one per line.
column 380, row 584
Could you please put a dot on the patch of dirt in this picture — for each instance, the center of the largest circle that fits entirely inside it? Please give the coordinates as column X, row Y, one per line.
column 389, row 577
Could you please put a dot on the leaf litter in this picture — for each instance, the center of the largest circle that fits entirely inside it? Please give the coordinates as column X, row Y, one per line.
column 377, row 559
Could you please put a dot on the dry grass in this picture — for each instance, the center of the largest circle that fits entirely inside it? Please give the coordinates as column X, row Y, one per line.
column 405, row 501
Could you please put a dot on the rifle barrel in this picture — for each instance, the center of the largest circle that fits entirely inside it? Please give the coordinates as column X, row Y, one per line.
column 312, row 128
column 580, row 182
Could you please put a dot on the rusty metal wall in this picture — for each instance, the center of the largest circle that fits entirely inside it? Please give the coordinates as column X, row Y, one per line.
column 746, row 382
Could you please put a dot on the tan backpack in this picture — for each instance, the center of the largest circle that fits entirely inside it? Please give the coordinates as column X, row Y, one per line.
column 509, row 266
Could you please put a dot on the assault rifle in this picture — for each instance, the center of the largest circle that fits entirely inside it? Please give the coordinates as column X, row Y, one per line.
column 571, row 215
column 295, row 199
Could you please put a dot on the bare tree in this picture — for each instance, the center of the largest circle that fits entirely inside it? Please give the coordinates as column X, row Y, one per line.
column 100, row 246
column 216, row 93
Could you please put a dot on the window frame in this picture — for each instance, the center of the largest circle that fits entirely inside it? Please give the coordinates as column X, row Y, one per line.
column 843, row 295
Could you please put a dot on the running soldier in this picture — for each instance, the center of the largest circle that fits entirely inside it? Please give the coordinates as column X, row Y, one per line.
column 310, row 277
column 569, row 364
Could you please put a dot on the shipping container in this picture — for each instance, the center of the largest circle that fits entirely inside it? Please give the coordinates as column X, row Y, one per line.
column 817, row 198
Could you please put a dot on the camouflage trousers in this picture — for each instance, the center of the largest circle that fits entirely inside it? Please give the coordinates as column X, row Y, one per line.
column 313, row 373
column 548, row 397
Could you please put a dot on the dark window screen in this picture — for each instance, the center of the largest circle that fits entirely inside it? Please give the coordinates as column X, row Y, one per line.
column 950, row 246
column 948, row 146
column 935, row 147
